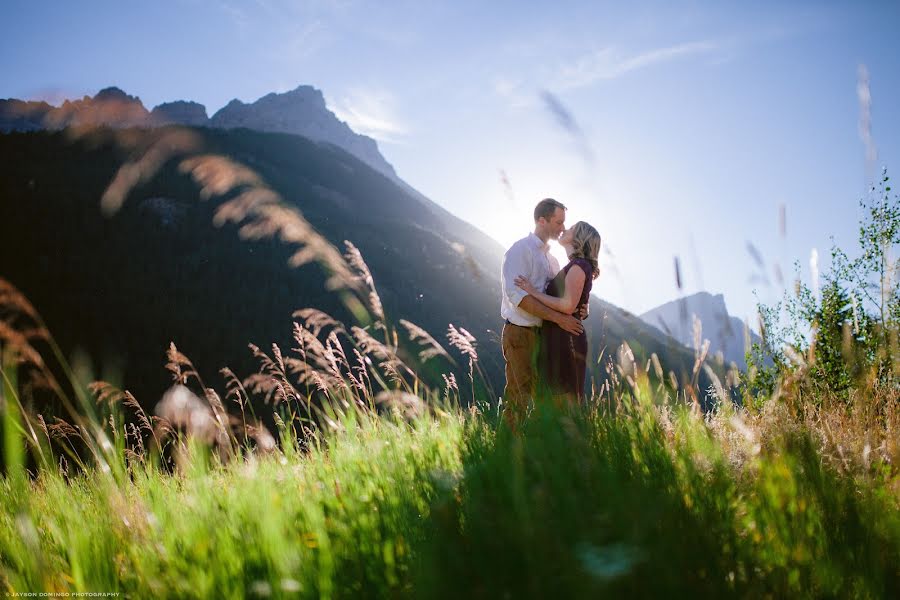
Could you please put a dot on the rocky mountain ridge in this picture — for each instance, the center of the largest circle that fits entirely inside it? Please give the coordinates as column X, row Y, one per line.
column 301, row 111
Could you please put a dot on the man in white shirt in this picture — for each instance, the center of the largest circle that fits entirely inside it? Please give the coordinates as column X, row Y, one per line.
column 524, row 314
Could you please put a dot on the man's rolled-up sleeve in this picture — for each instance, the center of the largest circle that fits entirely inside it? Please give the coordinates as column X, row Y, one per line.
column 514, row 264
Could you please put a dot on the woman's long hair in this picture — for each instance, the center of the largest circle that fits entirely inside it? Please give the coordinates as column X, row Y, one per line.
column 586, row 244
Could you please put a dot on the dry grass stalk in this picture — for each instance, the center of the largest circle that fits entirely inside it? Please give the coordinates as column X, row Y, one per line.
column 271, row 370
column 625, row 362
column 450, row 385
column 266, row 365
column 105, row 393
column 392, row 373
column 288, row 391
column 370, row 345
column 258, row 209
column 317, row 320
column 17, row 340
column 20, row 325
column 138, row 440
column 717, row 387
column 180, row 366
column 261, row 213
column 261, row 384
column 224, row 440
column 13, row 302
column 286, row 223
column 318, row 363
column 335, row 355
column 163, row 427
column 657, row 367
column 363, row 381
column 61, row 429
column 308, row 375
column 109, row 394
column 311, row 349
column 279, row 360
column 700, row 354
column 43, row 425
column 386, row 356
column 132, row 456
column 215, row 403
column 217, row 175
column 344, row 360
column 161, row 148
column 354, row 258
column 431, row 347
column 245, row 203
column 272, row 380
column 463, row 341
column 234, row 389
column 130, row 401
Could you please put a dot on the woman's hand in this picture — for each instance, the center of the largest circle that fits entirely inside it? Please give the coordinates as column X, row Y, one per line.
column 522, row 282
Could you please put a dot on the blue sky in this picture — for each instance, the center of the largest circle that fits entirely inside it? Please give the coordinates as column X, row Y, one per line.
column 689, row 124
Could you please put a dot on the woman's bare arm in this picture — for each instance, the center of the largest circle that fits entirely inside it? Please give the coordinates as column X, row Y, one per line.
column 567, row 303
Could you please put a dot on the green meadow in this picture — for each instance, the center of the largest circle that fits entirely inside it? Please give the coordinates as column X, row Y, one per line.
column 649, row 500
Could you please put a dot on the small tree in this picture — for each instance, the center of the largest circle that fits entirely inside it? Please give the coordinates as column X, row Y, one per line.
column 850, row 328
column 837, row 345
column 875, row 274
column 766, row 359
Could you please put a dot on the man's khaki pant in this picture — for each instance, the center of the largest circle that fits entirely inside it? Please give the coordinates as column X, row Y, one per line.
column 520, row 346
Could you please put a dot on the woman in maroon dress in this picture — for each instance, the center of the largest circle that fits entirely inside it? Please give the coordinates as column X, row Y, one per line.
column 562, row 358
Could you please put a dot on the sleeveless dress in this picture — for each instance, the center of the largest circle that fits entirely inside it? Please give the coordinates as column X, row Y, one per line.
column 562, row 357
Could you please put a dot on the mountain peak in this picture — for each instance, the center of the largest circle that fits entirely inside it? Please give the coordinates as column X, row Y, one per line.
column 307, row 91
column 233, row 103
column 302, row 94
column 180, row 112
column 114, row 93
column 302, row 111
column 727, row 334
column 717, row 300
column 697, row 300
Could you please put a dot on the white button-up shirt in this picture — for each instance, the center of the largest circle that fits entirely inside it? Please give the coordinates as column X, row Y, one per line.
column 529, row 257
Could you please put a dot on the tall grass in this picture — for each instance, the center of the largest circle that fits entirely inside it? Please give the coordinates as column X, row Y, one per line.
column 653, row 500
column 339, row 518
column 390, row 493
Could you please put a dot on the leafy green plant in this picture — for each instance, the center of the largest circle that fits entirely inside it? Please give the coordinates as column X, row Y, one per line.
column 832, row 338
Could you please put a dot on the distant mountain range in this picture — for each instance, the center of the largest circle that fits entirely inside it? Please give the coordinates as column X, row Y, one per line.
column 726, row 334
column 301, row 111
column 158, row 270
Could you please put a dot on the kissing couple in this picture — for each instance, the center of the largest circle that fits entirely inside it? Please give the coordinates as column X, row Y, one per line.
column 544, row 342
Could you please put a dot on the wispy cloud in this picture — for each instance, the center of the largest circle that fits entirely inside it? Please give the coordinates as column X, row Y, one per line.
column 372, row 113
column 610, row 63
column 600, row 65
